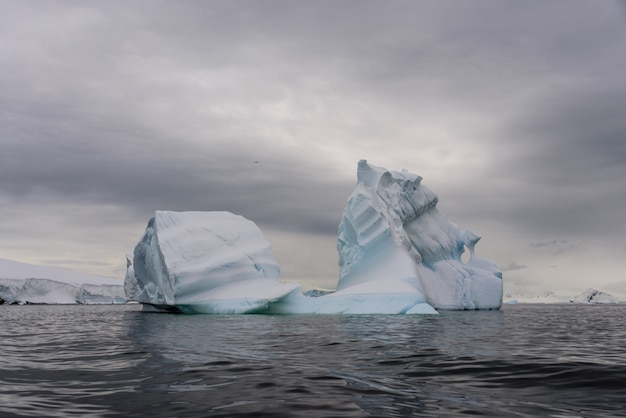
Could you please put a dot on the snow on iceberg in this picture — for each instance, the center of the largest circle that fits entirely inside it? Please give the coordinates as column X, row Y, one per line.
column 27, row 283
column 204, row 262
column 393, row 210
column 387, row 286
column 365, row 298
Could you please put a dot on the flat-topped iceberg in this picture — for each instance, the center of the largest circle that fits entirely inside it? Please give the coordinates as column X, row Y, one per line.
column 22, row 283
column 397, row 255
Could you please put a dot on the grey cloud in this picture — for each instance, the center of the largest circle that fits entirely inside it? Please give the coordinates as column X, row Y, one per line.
column 568, row 164
column 297, row 197
column 513, row 266
column 171, row 108
column 556, row 247
column 553, row 243
column 124, row 133
column 559, row 164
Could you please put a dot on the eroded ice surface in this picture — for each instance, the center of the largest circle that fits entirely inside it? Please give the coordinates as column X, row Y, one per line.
column 391, row 209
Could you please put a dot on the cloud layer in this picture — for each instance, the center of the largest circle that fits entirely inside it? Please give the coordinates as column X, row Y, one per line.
column 512, row 113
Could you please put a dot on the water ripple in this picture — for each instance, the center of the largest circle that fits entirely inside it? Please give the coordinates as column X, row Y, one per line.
column 114, row 361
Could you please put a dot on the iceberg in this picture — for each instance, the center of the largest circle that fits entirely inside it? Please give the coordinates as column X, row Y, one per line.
column 22, row 283
column 219, row 262
column 397, row 255
column 392, row 215
column 204, row 262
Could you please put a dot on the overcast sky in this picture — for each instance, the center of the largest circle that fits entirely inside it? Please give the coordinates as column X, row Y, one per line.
column 514, row 113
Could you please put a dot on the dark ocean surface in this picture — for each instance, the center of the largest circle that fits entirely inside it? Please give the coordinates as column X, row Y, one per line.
column 116, row 361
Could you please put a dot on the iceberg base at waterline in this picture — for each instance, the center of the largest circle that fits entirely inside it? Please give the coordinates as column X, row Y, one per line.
column 387, row 286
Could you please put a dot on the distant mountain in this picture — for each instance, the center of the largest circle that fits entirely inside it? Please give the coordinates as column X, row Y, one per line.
column 594, row 296
column 588, row 296
column 22, row 283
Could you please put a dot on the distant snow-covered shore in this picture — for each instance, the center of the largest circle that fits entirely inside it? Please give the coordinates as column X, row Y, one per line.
column 589, row 296
column 22, row 283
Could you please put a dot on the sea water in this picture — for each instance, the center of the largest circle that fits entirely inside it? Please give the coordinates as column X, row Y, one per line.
column 116, row 361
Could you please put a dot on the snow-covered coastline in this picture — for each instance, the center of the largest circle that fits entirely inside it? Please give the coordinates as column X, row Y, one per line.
column 589, row 296
column 22, row 283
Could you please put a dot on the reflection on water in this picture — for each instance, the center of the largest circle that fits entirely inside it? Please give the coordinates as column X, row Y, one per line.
column 526, row 360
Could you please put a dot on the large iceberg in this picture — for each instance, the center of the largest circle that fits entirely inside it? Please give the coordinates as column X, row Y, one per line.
column 391, row 213
column 204, row 262
column 397, row 255
column 22, row 283
column 218, row 262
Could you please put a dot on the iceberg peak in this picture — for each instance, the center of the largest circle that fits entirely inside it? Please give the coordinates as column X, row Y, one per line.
column 394, row 209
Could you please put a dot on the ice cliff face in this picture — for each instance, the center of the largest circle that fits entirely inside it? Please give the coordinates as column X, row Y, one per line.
column 26, row 283
column 22, row 291
column 205, row 262
column 391, row 230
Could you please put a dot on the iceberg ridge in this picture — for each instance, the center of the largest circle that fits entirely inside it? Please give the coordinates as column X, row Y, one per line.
column 392, row 209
